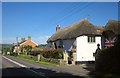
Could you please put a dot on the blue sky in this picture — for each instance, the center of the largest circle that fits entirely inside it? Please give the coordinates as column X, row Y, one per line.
column 39, row 19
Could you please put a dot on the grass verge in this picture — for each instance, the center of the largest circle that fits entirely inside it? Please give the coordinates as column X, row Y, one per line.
column 35, row 61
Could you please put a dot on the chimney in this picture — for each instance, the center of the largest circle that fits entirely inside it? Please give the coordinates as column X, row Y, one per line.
column 22, row 39
column 57, row 28
column 29, row 37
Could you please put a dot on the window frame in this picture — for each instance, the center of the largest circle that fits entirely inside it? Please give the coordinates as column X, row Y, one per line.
column 91, row 39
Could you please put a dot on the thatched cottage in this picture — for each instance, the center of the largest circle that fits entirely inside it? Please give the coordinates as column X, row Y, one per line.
column 79, row 40
column 111, row 33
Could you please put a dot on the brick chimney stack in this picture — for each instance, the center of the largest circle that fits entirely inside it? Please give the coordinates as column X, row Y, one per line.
column 22, row 39
column 29, row 37
column 57, row 28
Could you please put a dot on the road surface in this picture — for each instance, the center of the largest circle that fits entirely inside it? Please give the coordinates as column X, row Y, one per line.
column 14, row 68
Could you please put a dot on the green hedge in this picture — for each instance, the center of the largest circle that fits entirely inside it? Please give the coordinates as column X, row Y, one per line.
column 57, row 54
column 13, row 54
column 108, row 60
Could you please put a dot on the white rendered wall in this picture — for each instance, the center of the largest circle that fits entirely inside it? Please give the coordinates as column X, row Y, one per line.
column 85, row 50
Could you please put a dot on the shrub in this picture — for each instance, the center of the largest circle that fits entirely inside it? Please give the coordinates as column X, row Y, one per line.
column 108, row 60
column 57, row 54
column 14, row 54
column 27, row 49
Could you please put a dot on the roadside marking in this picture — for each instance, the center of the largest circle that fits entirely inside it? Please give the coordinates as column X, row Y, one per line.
column 21, row 65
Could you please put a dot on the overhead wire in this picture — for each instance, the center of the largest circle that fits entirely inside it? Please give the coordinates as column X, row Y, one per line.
column 67, row 10
column 74, row 12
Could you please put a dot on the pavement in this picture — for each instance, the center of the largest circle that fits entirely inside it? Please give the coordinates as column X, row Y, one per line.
column 81, row 71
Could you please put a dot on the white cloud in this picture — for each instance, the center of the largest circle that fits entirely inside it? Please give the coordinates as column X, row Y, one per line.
column 47, row 36
column 41, row 39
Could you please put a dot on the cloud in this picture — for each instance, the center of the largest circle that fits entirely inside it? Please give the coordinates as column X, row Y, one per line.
column 41, row 39
column 47, row 36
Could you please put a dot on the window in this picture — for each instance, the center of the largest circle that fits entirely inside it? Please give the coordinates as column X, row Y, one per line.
column 60, row 44
column 91, row 39
column 55, row 45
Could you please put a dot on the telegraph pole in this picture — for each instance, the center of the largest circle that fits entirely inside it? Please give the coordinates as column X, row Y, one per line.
column 17, row 44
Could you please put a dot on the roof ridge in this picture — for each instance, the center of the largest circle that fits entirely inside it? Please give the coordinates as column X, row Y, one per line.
column 112, row 20
column 78, row 28
column 85, row 19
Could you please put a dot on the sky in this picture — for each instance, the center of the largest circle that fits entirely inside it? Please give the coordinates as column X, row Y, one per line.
column 39, row 19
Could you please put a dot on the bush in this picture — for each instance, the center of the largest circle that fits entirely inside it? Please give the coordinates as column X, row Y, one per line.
column 108, row 60
column 6, row 49
column 57, row 54
column 14, row 54
column 35, row 52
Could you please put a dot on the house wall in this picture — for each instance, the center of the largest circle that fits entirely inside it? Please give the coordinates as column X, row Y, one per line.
column 67, row 44
column 17, row 49
column 49, row 45
column 57, row 43
column 85, row 50
column 102, row 42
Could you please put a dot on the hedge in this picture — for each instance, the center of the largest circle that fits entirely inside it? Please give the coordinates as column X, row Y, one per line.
column 57, row 54
column 108, row 60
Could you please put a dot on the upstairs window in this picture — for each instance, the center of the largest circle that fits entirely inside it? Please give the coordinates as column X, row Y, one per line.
column 91, row 39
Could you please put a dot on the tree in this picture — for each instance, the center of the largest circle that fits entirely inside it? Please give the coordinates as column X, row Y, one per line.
column 27, row 49
column 6, row 49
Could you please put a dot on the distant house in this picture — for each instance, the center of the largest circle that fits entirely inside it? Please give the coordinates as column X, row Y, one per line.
column 79, row 39
column 23, row 43
column 111, row 33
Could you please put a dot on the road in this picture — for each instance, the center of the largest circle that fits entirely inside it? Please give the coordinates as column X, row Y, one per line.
column 10, row 69
column 15, row 68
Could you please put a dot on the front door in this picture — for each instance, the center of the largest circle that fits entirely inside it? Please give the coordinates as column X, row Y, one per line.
column 70, row 57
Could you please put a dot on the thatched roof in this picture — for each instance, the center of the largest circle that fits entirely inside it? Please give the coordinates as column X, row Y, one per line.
column 99, row 29
column 83, row 27
column 113, row 25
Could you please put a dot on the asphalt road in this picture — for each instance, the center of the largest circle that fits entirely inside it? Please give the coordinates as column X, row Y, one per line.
column 12, row 70
column 29, row 70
